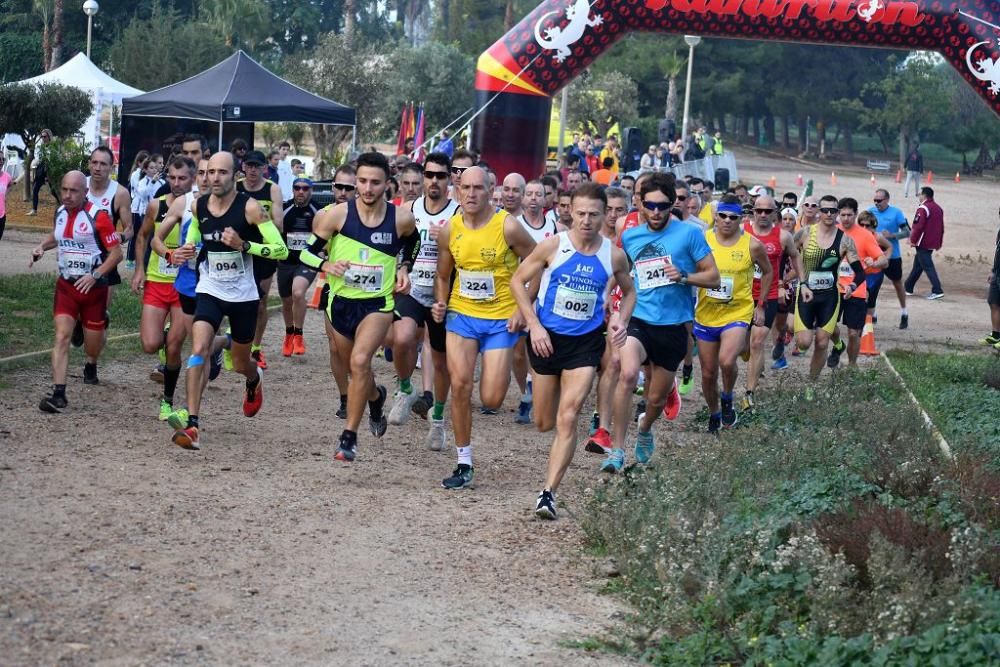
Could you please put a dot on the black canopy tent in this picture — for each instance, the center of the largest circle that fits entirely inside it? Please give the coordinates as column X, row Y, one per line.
column 238, row 92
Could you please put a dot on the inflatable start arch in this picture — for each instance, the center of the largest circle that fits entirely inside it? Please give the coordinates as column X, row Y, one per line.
column 560, row 38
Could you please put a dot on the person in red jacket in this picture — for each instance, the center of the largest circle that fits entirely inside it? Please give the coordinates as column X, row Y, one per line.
column 926, row 237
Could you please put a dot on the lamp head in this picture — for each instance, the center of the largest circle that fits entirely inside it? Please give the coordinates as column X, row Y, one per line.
column 90, row 7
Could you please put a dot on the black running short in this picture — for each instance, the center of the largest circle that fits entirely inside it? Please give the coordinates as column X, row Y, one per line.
column 993, row 297
column 407, row 306
column 263, row 268
column 770, row 312
column 895, row 269
column 188, row 303
column 822, row 312
column 665, row 344
column 853, row 312
column 287, row 273
column 569, row 352
column 346, row 314
column 242, row 316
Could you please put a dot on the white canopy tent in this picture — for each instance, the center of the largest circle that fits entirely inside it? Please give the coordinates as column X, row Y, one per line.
column 80, row 72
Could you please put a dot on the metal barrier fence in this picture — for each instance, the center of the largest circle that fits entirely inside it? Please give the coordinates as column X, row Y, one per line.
column 705, row 169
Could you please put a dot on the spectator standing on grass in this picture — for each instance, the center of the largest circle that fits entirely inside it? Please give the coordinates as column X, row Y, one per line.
column 284, row 168
column 41, row 174
column 926, row 237
column 914, row 166
column 993, row 299
column 5, row 182
column 145, row 190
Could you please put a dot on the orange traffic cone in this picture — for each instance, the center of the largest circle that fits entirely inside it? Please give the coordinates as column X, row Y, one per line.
column 930, row 176
column 833, row 178
column 958, row 179
column 873, row 179
column 317, row 294
column 798, row 181
column 868, row 338
column 773, row 182
column 899, row 176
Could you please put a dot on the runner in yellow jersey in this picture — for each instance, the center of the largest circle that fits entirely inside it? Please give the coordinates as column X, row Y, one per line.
column 482, row 248
column 723, row 314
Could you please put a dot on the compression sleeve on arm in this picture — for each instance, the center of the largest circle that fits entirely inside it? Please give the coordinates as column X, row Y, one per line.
column 193, row 232
column 859, row 273
column 273, row 246
column 315, row 254
column 903, row 233
column 411, row 246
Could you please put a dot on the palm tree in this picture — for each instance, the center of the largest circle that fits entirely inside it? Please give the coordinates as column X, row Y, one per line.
column 672, row 65
column 238, row 21
column 57, row 34
column 350, row 17
column 44, row 9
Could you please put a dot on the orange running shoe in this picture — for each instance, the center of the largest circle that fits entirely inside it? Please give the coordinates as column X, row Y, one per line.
column 288, row 346
column 298, row 344
column 258, row 356
column 253, row 400
column 599, row 442
column 187, row 438
column 673, row 406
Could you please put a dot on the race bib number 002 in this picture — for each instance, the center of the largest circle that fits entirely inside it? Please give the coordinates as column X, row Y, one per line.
column 476, row 285
column 574, row 304
column 653, row 272
column 365, row 277
column 226, row 266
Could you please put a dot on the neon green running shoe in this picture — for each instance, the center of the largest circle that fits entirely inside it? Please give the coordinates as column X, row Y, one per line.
column 163, row 356
column 165, row 409
column 685, row 386
column 227, row 354
column 178, row 419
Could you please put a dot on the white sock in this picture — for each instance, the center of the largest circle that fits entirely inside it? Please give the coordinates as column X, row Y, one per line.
column 465, row 455
column 902, row 311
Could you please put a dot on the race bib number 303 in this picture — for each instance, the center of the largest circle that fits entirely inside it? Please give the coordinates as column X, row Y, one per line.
column 476, row 285
column 653, row 272
column 820, row 280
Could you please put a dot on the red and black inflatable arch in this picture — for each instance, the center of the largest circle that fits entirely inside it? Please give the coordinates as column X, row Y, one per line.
column 560, row 38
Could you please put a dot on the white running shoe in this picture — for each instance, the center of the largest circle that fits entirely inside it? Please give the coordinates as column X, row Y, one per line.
column 401, row 405
column 435, row 435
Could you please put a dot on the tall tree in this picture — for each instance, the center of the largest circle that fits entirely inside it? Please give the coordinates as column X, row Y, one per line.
column 241, row 23
column 44, row 9
column 672, row 65
column 350, row 17
column 57, row 34
column 597, row 102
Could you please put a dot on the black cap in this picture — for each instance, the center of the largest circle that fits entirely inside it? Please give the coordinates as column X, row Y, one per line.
column 255, row 157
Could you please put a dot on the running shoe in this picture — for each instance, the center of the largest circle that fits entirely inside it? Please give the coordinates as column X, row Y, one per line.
column 258, row 356
column 422, row 405
column 545, row 506
column 729, row 415
column 53, row 404
column 90, row 374
column 165, row 409
column 162, row 353
column 907, row 292
column 599, row 442
column 780, row 365
column 904, row 321
column 834, row 359
column 796, row 351
column 523, row 412
column 76, row 340
column 187, row 438
column 747, row 405
column 745, row 354
column 298, row 345
column 714, row 424
column 778, row 351
column 214, row 365
column 460, row 478
column 253, row 399
column 644, row 446
column 342, row 412
column 614, row 462
column 483, row 410
column 287, row 345
column 934, row 296
column 595, row 423
column 874, row 318
column 989, row 340
column 178, row 419
column 156, row 375
column 402, row 403
column 640, row 385
column 435, row 435
column 227, row 354
column 687, row 384
column 673, row 405
column 376, row 416
column 347, row 449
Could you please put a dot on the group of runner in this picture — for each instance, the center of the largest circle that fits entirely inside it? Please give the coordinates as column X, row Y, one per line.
column 559, row 287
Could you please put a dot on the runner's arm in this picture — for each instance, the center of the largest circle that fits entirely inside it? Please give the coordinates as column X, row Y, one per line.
column 623, row 276
column 792, row 250
column 277, row 208
column 123, row 205
column 142, row 238
column 273, row 246
column 445, row 266
column 48, row 243
column 517, row 238
column 109, row 238
column 173, row 216
column 406, row 227
column 706, row 273
column 326, row 225
column 849, row 252
column 531, row 268
column 759, row 255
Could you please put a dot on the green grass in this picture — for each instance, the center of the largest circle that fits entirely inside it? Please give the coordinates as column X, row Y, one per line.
column 26, row 313
column 953, row 390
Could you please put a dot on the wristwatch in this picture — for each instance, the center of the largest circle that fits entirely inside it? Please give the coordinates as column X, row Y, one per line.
column 683, row 280
column 246, row 246
column 96, row 275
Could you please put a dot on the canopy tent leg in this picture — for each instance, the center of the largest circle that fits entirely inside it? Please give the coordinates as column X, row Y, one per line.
column 220, row 148
column 354, row 141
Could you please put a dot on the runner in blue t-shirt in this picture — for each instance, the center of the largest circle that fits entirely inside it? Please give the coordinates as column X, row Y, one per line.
column 892, row 225
column 668, row 257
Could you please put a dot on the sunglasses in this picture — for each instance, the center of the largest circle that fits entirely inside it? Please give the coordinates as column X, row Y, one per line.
column 811, row 205
column 301, row 188
column 730, row 216
column 697, row 192
column 437, row 175
column 878, row 201
column 344, row 187
column 681, row 197
column 867, row 226
column 763, row 211
column 829, row 211
column 658, row 205
column 458, row 171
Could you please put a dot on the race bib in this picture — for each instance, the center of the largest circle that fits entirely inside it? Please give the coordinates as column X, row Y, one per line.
column 846, row 271
column 653, row 272
column 298, row 240
column 574, row 304
column 226, row 267
column 757, row 273
column 76, row 263
column 423, row 273
column 167, row 269
column 476, row 285
column 820, row 280
column 724, row 292
column 365, row 277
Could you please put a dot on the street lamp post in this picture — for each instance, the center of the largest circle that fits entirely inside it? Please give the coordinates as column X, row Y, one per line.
column 90, row 8
column 692, row 41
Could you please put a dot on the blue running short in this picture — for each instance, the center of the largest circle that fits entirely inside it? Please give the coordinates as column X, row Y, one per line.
column 491, row 334
column 714, row 334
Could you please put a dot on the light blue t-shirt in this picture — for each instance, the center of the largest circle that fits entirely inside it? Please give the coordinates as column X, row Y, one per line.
column 660, row 301
column 891, row 219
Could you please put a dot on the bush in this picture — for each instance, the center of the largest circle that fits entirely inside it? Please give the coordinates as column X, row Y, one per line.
column 63, row 156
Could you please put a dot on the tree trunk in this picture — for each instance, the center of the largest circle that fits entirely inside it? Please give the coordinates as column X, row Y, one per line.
column 671, row 109
column 508, row 16
column 57, row 34
column 786, row 137
column 821, row 137
column 46, row 47
column 849, row 141
column 444, row 11
column 758, row 131
column 769, row 129
column 800, row 122
column 29, row 155
column 720, row 123
column 350, row 17
column 902, row 146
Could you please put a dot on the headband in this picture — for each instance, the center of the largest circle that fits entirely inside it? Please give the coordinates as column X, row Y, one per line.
column 788, row 210
column 730, row 208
